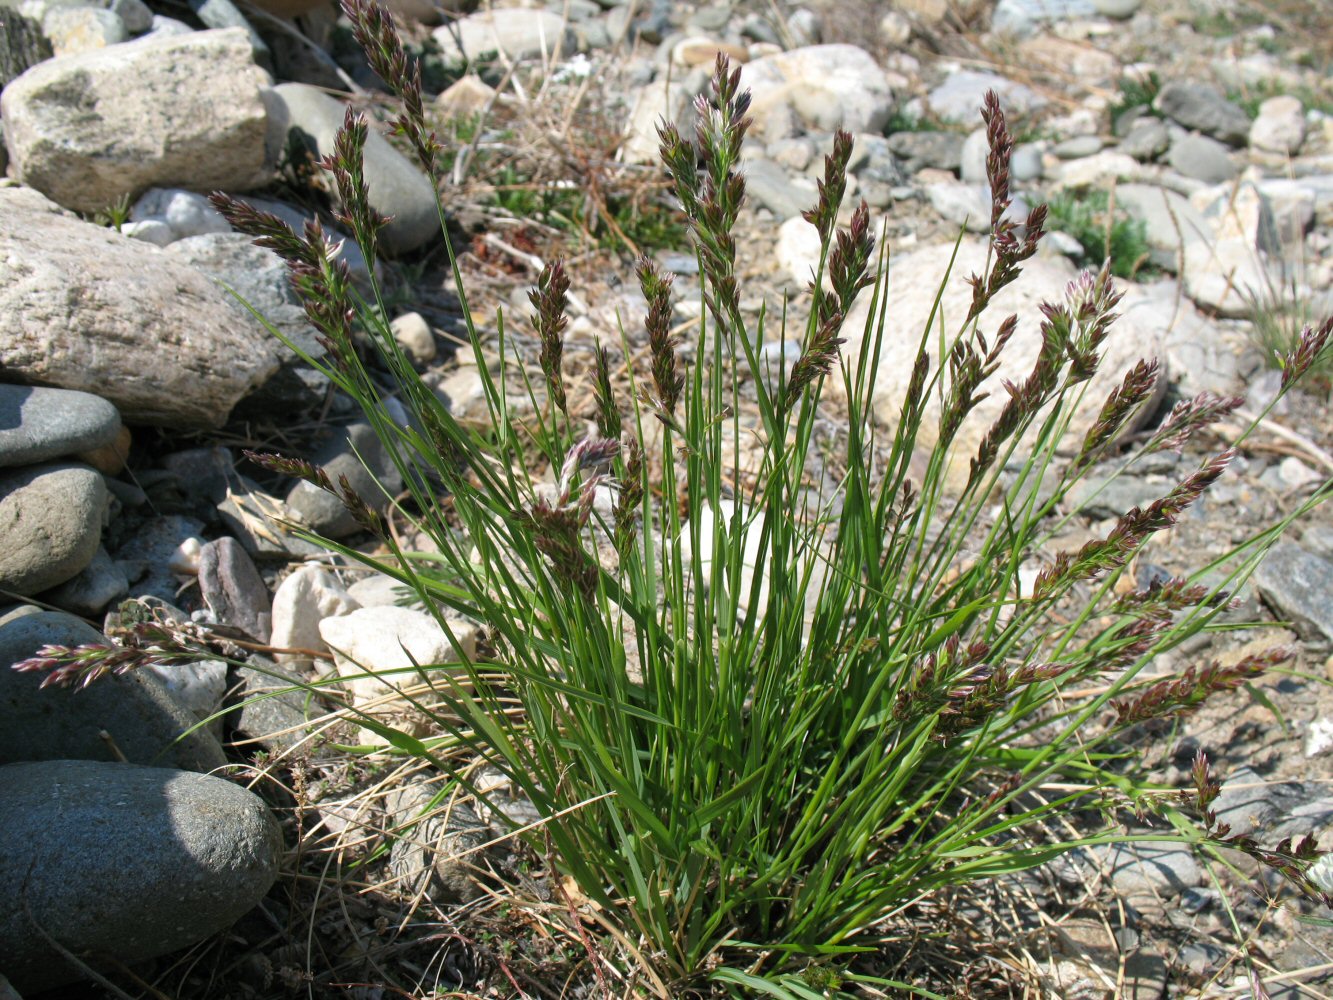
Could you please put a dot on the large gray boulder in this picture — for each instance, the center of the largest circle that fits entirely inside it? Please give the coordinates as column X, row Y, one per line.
column 123, row 862
column 82, row 307
column 88, row 128
column 139, row 717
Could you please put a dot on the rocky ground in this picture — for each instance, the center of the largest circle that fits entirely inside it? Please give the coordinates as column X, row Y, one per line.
column 1190, row 139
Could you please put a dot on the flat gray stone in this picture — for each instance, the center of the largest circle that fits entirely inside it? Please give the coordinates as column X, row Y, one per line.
column 37, row 424
column 1203, row 107
column 771, row 186
column 123, row 862
column 437, row 850
column 136, row 711
column 325, row 513
column 1202, row 158
column 396, row 184
column 942, row 150
column 1163, row 868
column 52, row 517
column 1299, row 585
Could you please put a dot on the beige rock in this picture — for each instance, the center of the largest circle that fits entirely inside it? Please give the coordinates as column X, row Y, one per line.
column 413, row 335
column 699, row 51
column 661, row 101
column 467, row 96
column 82, row 307
column 376, row 651
column 914, row 279
column 89, row 128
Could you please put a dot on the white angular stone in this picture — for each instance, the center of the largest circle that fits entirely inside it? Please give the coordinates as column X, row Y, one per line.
column 87, row 129
column 1100, row 170
column 1226, row 276
column 301, row 602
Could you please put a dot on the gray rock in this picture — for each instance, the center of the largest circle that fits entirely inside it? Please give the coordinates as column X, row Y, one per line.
column 37, row 424
column 1026, row 163
column 187, row 213
column 1202, row 158
column 959, row 98
column 1077, row 147
column 325, row 513
column 53, row 523
column 167, row 27
column 1023, row 17
column 771, row 186
column 1167, row 869
column 233, row 589
column 843, row 74
column 258, row 279
column 1250, row 803
column 942, row 150
column 436, row 848
column 1118, row 10
column 969, row 205
column 972, row 159
column 149, row 111
column 1170, row 222
column 123, row 862
column 96, row 586
column 273, row 707
column 202, row 472
column 534, row 34
column 134, row 14
column 350, row 251
column 1299, row 585
column 1101, row 496
column 397, row 187
column 1203, row 107
column 1148, row 139
column 82, row 307
column 134, row 714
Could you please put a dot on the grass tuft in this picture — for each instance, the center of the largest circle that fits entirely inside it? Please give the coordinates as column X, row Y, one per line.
column 760, row 725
